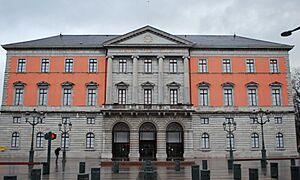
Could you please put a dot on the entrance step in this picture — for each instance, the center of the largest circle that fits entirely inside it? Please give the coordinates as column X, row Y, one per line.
column 139, row 163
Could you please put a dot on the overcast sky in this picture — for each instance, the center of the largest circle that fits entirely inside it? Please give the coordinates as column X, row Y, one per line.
column 261, row 19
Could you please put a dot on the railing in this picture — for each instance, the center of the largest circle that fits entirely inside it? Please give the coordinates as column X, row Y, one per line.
column 117, row 106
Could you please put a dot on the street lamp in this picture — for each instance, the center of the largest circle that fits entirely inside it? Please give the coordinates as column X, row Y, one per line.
column 261, row 113
column 65, row 127
column 289, row 32
column 37, row 118
column 230, row 127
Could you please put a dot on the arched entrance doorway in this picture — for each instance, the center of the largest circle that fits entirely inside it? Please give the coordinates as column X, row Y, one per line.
column 147, row 138
column 174, row 141
column 120, row 142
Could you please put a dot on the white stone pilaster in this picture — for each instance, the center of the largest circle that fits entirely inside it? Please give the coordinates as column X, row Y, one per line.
column 109, row 83
column 134, row 145
column 135, row 80
column 161, row 146
column 160, row 79
column 186, row 81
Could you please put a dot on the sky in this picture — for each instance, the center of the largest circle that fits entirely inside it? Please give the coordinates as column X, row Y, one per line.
column 260, row 19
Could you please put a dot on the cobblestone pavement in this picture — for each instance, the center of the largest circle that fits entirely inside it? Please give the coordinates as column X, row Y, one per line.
column 218, row 170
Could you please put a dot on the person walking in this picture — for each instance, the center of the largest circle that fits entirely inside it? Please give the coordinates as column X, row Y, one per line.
column 57, row 153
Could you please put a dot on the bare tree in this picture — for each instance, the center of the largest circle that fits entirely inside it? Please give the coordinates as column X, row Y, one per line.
column 296, row 99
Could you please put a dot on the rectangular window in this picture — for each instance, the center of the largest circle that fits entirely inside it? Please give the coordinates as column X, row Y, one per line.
column 122, row 65
column 229, row 119
column 228, row 97
column 65, row 120
column 69, row 65
column 276, row 97
column 202, row 65
column 45, row 64
column 226, row 65
column 203, row 97
column 250, row 66
column 204, row 120
column 173, row 96
column 90, row 120
column 21, row 65
column 93, row 65
column 122, row 96
column 252, row 97
column 43, row 96
column 274, row 66
column 173, row 65
column 278, row 120
column 147, row 96
column 148, row 65
column 253, row 120
column 19, row 96
column 92, row 97
column 67, row 96
column 16, row 120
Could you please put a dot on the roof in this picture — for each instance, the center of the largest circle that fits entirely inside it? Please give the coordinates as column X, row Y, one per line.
column 194, row 41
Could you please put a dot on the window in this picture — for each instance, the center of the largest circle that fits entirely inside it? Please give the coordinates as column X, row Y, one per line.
column 205, row 141
column 15, row 140
column 90, row 120
column 276, row 96
column 65, row 120
column 278, row 120
column 252, row 96
column 173, row 96
column 279, row 140
column 92, row 96
column 122, row 96
column 19, row 95
column 203, row 96
column 228, row 96
column 67, row 95
column 122, row 65
column 93, row 65
column 226, row 66
column 16, row 120
column 204, row 120
column 45, row 64
column 39, row 140
column 148, row 65
column 253, row 120
column 147, row 96
column 21, row 65
column 230, row 140
column 173, row 65
column 274, row 66
column 69, row 65
column 43, row 95
column 254, row 140
column 202, row 65
column 229, row 119
column 90, row 137
column 250, row 66
column 65, row 140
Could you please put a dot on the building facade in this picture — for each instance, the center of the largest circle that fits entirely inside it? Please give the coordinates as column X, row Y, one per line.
column 148, row 94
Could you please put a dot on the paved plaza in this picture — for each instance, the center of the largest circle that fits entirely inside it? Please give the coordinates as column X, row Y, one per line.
column 217, row 167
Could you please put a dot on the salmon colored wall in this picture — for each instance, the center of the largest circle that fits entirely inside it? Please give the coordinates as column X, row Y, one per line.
column 55, row 78
column 240, row 78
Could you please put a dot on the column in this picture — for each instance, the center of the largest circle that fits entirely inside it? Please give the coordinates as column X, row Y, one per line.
column 135, row 80
column 160, row 79
column 161, row 145
column 186, row 81
column 109, row 82
column 134, row 145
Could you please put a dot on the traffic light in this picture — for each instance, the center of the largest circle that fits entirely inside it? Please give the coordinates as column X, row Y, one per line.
column 46, row 136
column 50, row 136
column 53, row 136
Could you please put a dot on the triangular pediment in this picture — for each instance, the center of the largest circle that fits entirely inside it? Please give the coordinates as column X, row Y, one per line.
column 148, row 36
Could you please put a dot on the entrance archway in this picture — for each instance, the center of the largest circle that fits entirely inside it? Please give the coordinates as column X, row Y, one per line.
column 147, row 141
column 175, row 145
column 120, row 141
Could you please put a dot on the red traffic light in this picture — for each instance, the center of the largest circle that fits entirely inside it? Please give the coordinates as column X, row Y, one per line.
column 53, row 136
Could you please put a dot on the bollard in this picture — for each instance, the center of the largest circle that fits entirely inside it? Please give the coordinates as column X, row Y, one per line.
column 293, row 163
column 205, row 174
column 274, row 170
column 148, row 170
column 95, row 173
column 83, row 176
column 115, row 168
column 237, row 174
column 195, row 172
column 81, row 167
column 177, row 165
column 10, row 178
column 46, row 168
column 36, row 174
column 253, row 174
column 295, row 173
column 204, row 164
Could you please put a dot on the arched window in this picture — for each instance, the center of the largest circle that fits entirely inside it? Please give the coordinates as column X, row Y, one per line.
column 279, row 140
column 65, row 140
column 90, row 137
column 39, row 140
column 15, row 140
column 230, row 139
column 254, row 140
column 205, row 141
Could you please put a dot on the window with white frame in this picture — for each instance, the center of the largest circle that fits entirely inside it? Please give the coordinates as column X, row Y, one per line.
column 274, row 66
column 250, row 67
column 122, row 65
column 19, row 95
column 252, row 95
column 93, row 64
column 67, row 95
column 173, row 96
column 65, row 120
column 276, row 95
column 147, row 96
column 254, row 140
column 45, row 65
column 68, row 65
column 43, row 95
column 91, row 95
column 229, row 120
column 230, row 139
column 16, row 120
column 65, row 140
column 173, row 65
column 15, row 140
column 204, row 120
column 21, row 67
column 279, row 140
column 39, row 140
column 205, row 141
column 90, row 120
column 226, row 65
column 228, row 95
column 253, row 120
column 278, row 120
column 148, row 65
column 122, row 96
column 202, row 65
column 203, row 96
column 90, row 138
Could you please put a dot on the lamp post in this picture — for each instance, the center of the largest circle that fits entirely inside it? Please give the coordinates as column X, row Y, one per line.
column 289, row 32
column 230, row 127
column 37, row 118
column 260, row 114
column 64, row 127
